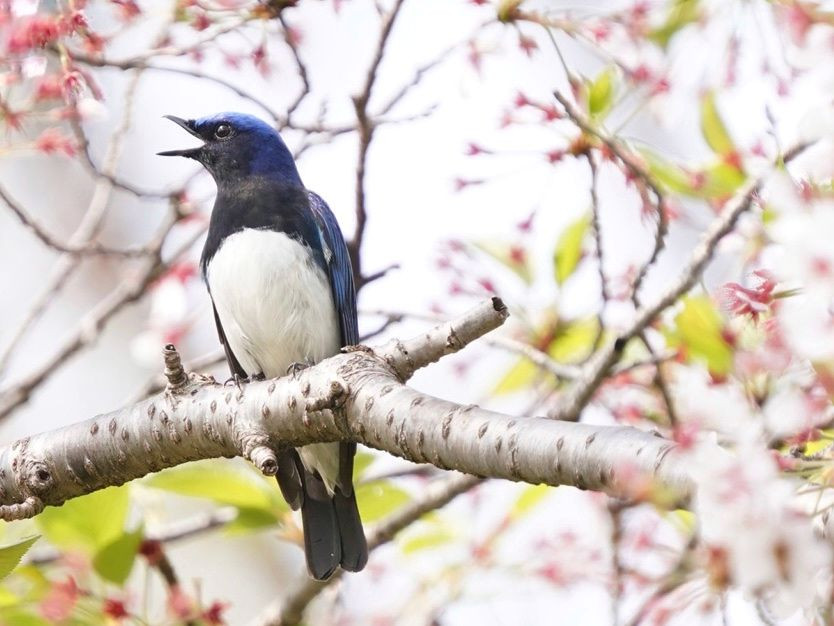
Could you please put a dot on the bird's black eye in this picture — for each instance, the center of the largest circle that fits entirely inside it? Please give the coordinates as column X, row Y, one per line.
column 223, row 131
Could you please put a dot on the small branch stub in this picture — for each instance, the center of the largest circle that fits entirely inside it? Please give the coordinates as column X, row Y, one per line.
column 174, row 371
column 264, row 459
column 22, row 510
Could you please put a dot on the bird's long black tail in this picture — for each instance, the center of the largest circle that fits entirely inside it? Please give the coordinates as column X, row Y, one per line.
column 333, row 532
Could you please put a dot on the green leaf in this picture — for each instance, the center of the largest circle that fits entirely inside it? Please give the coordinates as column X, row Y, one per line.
column 18, row 616
column 249, row 520
column 114, row 561
column 684, row 519
column 530, row 497
column 601, row 92
column 668, row 175
column 379, row 499
column 569, row 248
column 712, row 127
column 10, row 555
column 509, row 256
column 519, row 376
column 222, row 481
column 681, row 13
column 361, row 462
column 7, row 598
column 507, row 10
column 433, row 537
column 574, row 340
column 90, row 521
column 698, row 328
column 721, row 180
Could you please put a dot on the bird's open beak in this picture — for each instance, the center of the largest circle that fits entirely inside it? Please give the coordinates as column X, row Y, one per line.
column 190, row 153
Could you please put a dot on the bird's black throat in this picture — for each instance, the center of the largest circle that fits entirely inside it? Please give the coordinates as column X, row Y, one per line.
column 261, row 203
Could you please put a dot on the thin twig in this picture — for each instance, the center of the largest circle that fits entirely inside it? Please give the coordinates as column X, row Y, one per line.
column 596, row 227
column 419, row 73
column 300, row 67
column 661, row 383
column 599, row 365
column 366, row 126
column 91, row 326
column 88, row 228
column 671, row 581
column 90, row 249
column 632, row 162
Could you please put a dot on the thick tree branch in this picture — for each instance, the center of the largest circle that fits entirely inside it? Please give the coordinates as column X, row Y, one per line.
column 357, row 396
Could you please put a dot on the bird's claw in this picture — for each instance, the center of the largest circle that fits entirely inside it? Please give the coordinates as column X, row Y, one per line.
column 359, row 347
column 296, row 368
column 237, row 380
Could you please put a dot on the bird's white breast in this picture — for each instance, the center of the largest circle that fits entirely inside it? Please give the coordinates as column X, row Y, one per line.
column 273, row 301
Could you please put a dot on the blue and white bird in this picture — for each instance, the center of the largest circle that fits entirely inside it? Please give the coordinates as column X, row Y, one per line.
column 280, row 279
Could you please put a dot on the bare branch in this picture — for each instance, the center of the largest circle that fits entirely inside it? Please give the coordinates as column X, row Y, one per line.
column 357, row 396
column 51, row 242
column 634, row 165
column 366, row 127
column 416, row 78
column 361, row 281
column 87, row 229
column 300, row 66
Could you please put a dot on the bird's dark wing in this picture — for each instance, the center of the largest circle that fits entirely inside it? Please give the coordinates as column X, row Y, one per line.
column 338, row 269
column 289, row 479
column 231, row 359
column 340, row 273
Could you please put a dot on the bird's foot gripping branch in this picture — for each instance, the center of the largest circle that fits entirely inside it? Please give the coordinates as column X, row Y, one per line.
column 359, row 395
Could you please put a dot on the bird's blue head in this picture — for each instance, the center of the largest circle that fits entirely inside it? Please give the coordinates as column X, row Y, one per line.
column 237, row 146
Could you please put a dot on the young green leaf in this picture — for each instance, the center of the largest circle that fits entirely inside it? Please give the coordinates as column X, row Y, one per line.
column 222, row 481
column 712, row 127
column 361, row 462
column 520, row 376
column 721, row 180
column 379, row 499
column 249, row 520
column 569, row 248
column 90, row 521
column 8, row 598
column 698, row 329
column 574, row 340
column 601, row 92
column 509, row 256
column 667, row 175
column 681, row 13
column 20, row 616
column 530, row 497
column 114, row 561
column 10, row 555
column 683, row 519
column 433, row 537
